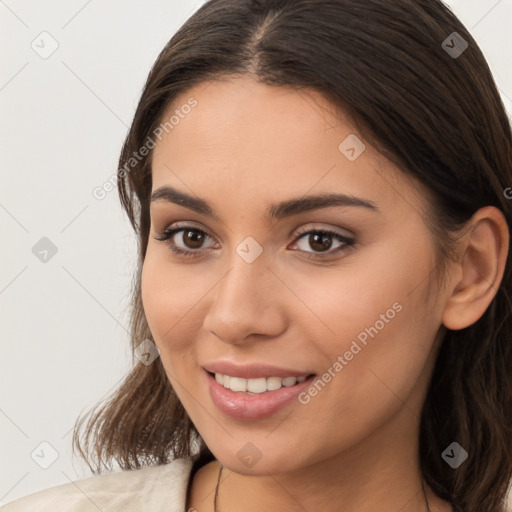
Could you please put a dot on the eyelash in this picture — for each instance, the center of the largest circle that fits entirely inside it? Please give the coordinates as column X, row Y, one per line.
column 166, row 235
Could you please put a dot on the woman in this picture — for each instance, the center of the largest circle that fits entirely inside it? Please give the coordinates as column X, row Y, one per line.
column 322, row 311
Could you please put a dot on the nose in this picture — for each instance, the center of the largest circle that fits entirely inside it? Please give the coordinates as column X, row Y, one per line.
column 247, row 302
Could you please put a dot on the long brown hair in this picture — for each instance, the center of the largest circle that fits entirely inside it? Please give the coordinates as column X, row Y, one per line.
column 436, row 114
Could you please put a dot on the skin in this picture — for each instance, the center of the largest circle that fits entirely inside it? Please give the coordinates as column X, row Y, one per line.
column 354, row 446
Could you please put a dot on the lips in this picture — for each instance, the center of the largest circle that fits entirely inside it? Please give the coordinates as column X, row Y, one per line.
column 253, row 370
column 254, row 406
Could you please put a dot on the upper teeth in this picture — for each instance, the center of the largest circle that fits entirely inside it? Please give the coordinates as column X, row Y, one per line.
column 256, row 385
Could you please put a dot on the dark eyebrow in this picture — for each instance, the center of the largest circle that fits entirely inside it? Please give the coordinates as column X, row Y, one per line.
column 275, row 211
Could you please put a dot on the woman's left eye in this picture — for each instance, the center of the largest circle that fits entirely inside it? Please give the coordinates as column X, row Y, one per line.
column 322, row 240
column 319, row 239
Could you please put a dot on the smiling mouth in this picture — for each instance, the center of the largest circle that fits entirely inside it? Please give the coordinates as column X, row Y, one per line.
column 258, row 385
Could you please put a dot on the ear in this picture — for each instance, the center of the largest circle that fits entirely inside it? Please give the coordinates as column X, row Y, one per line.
column 479, row 269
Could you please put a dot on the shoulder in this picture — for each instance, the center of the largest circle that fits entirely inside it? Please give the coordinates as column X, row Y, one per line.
column 152, row 488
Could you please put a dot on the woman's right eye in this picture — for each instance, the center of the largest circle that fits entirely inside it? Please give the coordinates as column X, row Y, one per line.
column 191, row 238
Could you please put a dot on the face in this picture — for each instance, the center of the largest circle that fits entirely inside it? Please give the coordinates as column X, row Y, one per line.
column 306, row 255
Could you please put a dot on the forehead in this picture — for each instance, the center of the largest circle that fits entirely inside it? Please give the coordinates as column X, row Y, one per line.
column 243, row 136
column 235, row 111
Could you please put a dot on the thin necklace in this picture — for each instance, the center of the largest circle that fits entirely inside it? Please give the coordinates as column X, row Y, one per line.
column 217, row 490
column 218, row 482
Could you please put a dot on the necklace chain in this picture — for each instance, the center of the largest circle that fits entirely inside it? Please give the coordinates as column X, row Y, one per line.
column 217, row 491
column 218, row 482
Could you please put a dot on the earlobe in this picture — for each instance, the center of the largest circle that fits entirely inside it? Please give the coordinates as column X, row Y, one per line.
column 480, row 269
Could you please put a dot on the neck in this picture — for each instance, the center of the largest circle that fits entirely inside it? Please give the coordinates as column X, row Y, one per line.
column 375, row 474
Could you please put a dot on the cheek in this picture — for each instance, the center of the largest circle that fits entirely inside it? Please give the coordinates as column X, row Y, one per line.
column 168, row 304
column 384, row 374
column 377, row 315
column 168, row 307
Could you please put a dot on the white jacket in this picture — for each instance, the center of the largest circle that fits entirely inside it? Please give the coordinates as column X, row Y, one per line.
column 149, row 489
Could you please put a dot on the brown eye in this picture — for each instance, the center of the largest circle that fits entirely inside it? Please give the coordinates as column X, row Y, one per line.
column 193, row 238
column 321, row 241
column 190, row 243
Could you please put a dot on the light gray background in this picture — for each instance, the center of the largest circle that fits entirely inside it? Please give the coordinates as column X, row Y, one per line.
column 64, row 322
